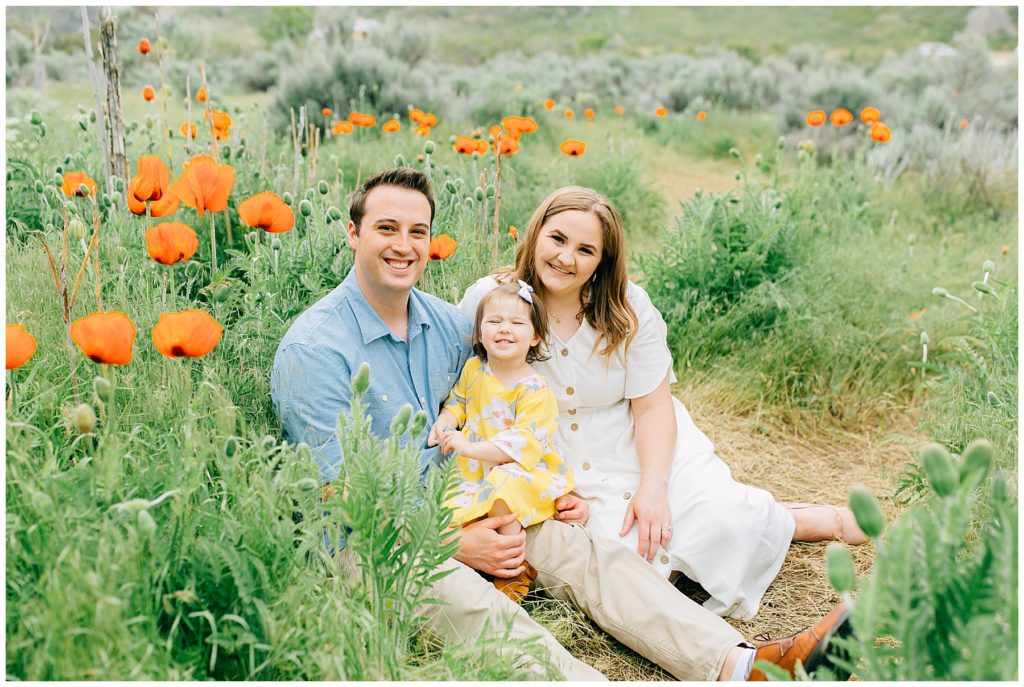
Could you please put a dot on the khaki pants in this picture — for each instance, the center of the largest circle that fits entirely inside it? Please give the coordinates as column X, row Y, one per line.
column 614, row 586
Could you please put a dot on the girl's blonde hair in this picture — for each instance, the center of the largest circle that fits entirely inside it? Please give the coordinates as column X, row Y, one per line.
column 604, row 299
column 538, row 318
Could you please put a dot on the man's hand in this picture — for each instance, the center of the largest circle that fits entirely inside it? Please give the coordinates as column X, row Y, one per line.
column 483, row 548
column 444, row 421
column 572, row 509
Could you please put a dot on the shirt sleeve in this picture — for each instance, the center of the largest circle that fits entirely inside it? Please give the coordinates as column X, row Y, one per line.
column 536, row 422
column 647, row 358
column 309, row 392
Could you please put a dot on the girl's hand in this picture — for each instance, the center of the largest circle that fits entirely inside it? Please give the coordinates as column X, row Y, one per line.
column 571, row 508
column 444, row 421
column 650, row 511
column 456, row 441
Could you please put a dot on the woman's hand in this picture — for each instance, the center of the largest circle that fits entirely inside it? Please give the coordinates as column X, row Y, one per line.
column 572, row 509
column 650, row 511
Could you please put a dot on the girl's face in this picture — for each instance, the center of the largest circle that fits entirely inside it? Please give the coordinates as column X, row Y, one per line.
column 568, row 252
column 506, row 330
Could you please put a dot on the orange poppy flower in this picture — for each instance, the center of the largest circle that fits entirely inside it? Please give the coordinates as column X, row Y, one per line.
column 1006, row 250
column 519, row 125
column 416, row 115
column 494, row 131
column 189, row 130
column 588, row 113
column 221, row 124
column 573, row 147
column 326, row 112
column 166, row 205
column 815, row 118
column 267, row 211
column 190, row 333
column 73, row 182
column 428, row 119
column 171, row 242
column 341, row 128
column 201, row 95
column 702, row 115
column 482, row 147
column 20, row 346
column 151, row 185
column 619, row 109
column 362, row 120
column 569, row 114
column 506, row 145
column 870, row 115
column 964, row 124
column 204, row 184
column 423, row 130
column 841, row 117
column 661, row 111
column 465, row 145
column 144, row 46
column 549, row 104
column 148, row 93
column 105, row 337
column 880, row 132
column 390, row 126
column 442, row 247
column 513, row 233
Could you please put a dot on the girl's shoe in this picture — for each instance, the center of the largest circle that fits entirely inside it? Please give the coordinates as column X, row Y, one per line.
column 517, row 587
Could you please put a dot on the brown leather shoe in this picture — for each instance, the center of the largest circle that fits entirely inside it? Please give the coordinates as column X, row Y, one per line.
column 785, row 652
column 516, row 588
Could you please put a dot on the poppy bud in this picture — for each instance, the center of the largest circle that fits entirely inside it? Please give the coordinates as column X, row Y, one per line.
column 867, row 512
column 988, row 266
column 738, row 175
column 418, row 423
column 479, row 193
column 42, row 130
column 450, row 187
column 84, row 189
column 267, row 443
column 83, row 125
column 839, row 564
column 288, row 198
column 118, row 185
column 458, row 181
column 147, row 525
column 309, row 194
column 77, row 228
column 781, row 143
column 221, row 293
column 939, row 468
column 924, row 338
column 323, row 187
column 83, row 417
column 451, row 139
column 993, row 399
column 103, row 389
column 306, row 484
column 428, row 147
column 361, row 380
column 230, row 446
column 275, row 244
column 939, row 291
column 305, row 208
column 58, row 179
column 983, row 288
column 92, row 116
column 38, row 186
column 401, row 421
column 333, row 214
column 976, row 459
column 36, row 118
column 399, row 160
column 468, row 200
column 490, row 190
column 735, row 152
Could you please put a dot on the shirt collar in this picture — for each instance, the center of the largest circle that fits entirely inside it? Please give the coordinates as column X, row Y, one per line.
column 370, row 324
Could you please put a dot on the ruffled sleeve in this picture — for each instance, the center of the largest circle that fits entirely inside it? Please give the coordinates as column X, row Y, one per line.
column 648, row 357
column 531, row 437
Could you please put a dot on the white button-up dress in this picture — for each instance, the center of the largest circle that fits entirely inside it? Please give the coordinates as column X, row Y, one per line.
column 729, row 537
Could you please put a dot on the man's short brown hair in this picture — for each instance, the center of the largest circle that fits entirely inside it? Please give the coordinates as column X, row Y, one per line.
column 402, row 177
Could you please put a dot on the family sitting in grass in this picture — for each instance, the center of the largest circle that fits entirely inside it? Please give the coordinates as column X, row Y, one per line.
column 581, row 474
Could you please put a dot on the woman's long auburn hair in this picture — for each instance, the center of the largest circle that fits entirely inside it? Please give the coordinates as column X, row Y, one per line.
column 604, row 300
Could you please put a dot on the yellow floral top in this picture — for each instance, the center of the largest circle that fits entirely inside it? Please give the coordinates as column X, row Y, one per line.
column 522, row 422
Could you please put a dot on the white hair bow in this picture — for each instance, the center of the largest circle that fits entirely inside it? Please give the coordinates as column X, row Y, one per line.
column 524, row 292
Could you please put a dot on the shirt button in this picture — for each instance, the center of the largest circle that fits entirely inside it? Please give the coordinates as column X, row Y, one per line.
column 565, row 352
column 663, row 559
column 570, row 391
column 572, row 411
column 586, row 466
column 383, row 397
column 626, row 495
column 574, row 426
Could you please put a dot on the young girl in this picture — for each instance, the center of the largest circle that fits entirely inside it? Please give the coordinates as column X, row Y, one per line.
column 508, row 419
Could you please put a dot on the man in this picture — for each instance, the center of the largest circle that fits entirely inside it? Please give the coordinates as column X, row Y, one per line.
column 416, row 345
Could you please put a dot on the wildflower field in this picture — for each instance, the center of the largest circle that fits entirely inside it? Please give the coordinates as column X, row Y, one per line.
column 833, row 243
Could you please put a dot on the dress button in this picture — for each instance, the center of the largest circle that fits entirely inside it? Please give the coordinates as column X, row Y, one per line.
column 574, row 426
column 626, row 495
column 570, row 391
column 572, row 411
column 565, row 352
column 586, row 466
column 663, row 559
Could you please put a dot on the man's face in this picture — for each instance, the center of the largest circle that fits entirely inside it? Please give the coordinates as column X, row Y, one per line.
column 391, row 248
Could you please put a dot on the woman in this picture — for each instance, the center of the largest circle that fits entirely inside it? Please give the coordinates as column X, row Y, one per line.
column 650, row 476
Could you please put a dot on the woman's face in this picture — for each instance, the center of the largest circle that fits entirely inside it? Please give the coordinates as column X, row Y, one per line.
column 568, row 251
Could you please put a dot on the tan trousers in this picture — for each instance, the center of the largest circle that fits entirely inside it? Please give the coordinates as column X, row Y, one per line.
column 614, row 586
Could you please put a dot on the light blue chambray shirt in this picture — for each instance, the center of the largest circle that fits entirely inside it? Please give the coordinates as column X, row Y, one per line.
column 311, row 379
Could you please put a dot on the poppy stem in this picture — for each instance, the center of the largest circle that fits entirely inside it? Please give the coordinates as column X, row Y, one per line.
column 163, row 91
column 497, row 209
column 170, row 268
column 112, row 404
column 163, row 292
column 213, row 248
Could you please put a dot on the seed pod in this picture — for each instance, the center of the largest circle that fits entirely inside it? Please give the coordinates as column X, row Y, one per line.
column 867, row 511
column 418, row 423
column 147, row 525
column 939, row 291
column 103, row 389
column 306, row 484
column 401, row 421
column 490, row 190
column 839, row 564
column 333, row 214
column 976, row 459
column 288, row 198
column 361, row 380
column 924, row 338
column 84, row 418
column 939, row 469
column 323, row 187
column 38, row 186
column 36, row 118
column 399, row 160
column 428, row 147
column 983, row 288
column 230, row 446
column 305, row 208
column 479, row 194
column 988, row 266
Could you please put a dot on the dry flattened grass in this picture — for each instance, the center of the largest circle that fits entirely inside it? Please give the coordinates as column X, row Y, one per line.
column 818, row 466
